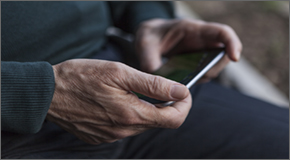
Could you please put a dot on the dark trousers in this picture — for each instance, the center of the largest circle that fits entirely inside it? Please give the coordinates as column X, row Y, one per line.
column 222, row 123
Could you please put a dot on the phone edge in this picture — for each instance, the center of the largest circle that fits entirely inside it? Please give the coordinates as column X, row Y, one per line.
column 198, row 76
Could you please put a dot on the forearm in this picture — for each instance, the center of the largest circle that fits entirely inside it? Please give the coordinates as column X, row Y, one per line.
column 128, row 15
column 26, row 93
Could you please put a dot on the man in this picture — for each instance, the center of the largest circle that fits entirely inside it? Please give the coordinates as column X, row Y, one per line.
column 55, row 104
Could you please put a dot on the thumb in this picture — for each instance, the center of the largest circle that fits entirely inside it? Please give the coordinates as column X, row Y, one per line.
column 151, row 47
column 150, row 56
column 155, row 86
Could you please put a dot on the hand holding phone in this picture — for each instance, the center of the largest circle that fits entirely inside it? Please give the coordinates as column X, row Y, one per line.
column 186, row 68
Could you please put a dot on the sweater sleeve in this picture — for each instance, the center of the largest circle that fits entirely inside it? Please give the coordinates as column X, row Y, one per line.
column 26, row 93
column 128, row 15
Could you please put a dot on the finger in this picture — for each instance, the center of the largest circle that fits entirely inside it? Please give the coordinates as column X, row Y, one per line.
column 149, row 52
column 225, row 34
column 216, row 69
column 120, row 132
column 154, row 86
column 174, row 116
column 93, row 133
column 171, row 39
column 166, row 117
column 150, row 59
column 203, row 80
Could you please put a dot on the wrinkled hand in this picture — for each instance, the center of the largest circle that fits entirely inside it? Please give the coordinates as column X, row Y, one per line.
column 93, row 99
column 158, row 37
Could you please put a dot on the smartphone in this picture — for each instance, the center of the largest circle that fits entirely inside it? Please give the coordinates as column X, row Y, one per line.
column 187, row 69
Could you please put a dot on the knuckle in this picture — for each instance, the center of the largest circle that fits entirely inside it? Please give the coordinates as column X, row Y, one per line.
column 176, row 124
column 156, row 83
column 187, row 21
column 145, row 41
column 176, row 121
column 184, row 22
column 226, row 27
column 115, row 70
column 222, row 27
column 120, row 135
column 147, row 24
column 128, row 121
column 116, row 67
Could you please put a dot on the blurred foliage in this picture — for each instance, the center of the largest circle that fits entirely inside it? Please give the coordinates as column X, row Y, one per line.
column 263, row 27
column 270, row 5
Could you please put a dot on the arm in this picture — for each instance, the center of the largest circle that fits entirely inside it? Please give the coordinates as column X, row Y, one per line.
column 128, row 15
column 26, row 93
column 80, row 106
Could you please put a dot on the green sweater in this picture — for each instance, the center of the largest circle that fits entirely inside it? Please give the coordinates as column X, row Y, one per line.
column 36, row 35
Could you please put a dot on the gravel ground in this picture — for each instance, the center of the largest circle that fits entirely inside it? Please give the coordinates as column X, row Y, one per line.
column 263, row 28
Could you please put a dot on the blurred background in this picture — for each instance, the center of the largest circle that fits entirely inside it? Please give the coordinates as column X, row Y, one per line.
column 263, row 28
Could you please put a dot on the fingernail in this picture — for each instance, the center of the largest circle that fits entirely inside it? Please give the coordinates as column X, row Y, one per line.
column 238, row 55
column 178, row 91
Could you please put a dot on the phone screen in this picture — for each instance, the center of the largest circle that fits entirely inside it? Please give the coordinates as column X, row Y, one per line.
column 183, row 68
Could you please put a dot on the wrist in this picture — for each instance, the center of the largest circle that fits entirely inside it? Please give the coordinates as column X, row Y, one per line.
column 50, row 111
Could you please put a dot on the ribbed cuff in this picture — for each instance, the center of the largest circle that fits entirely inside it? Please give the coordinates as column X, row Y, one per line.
column 146, row 10
column 26, row 93
column 128, row 15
